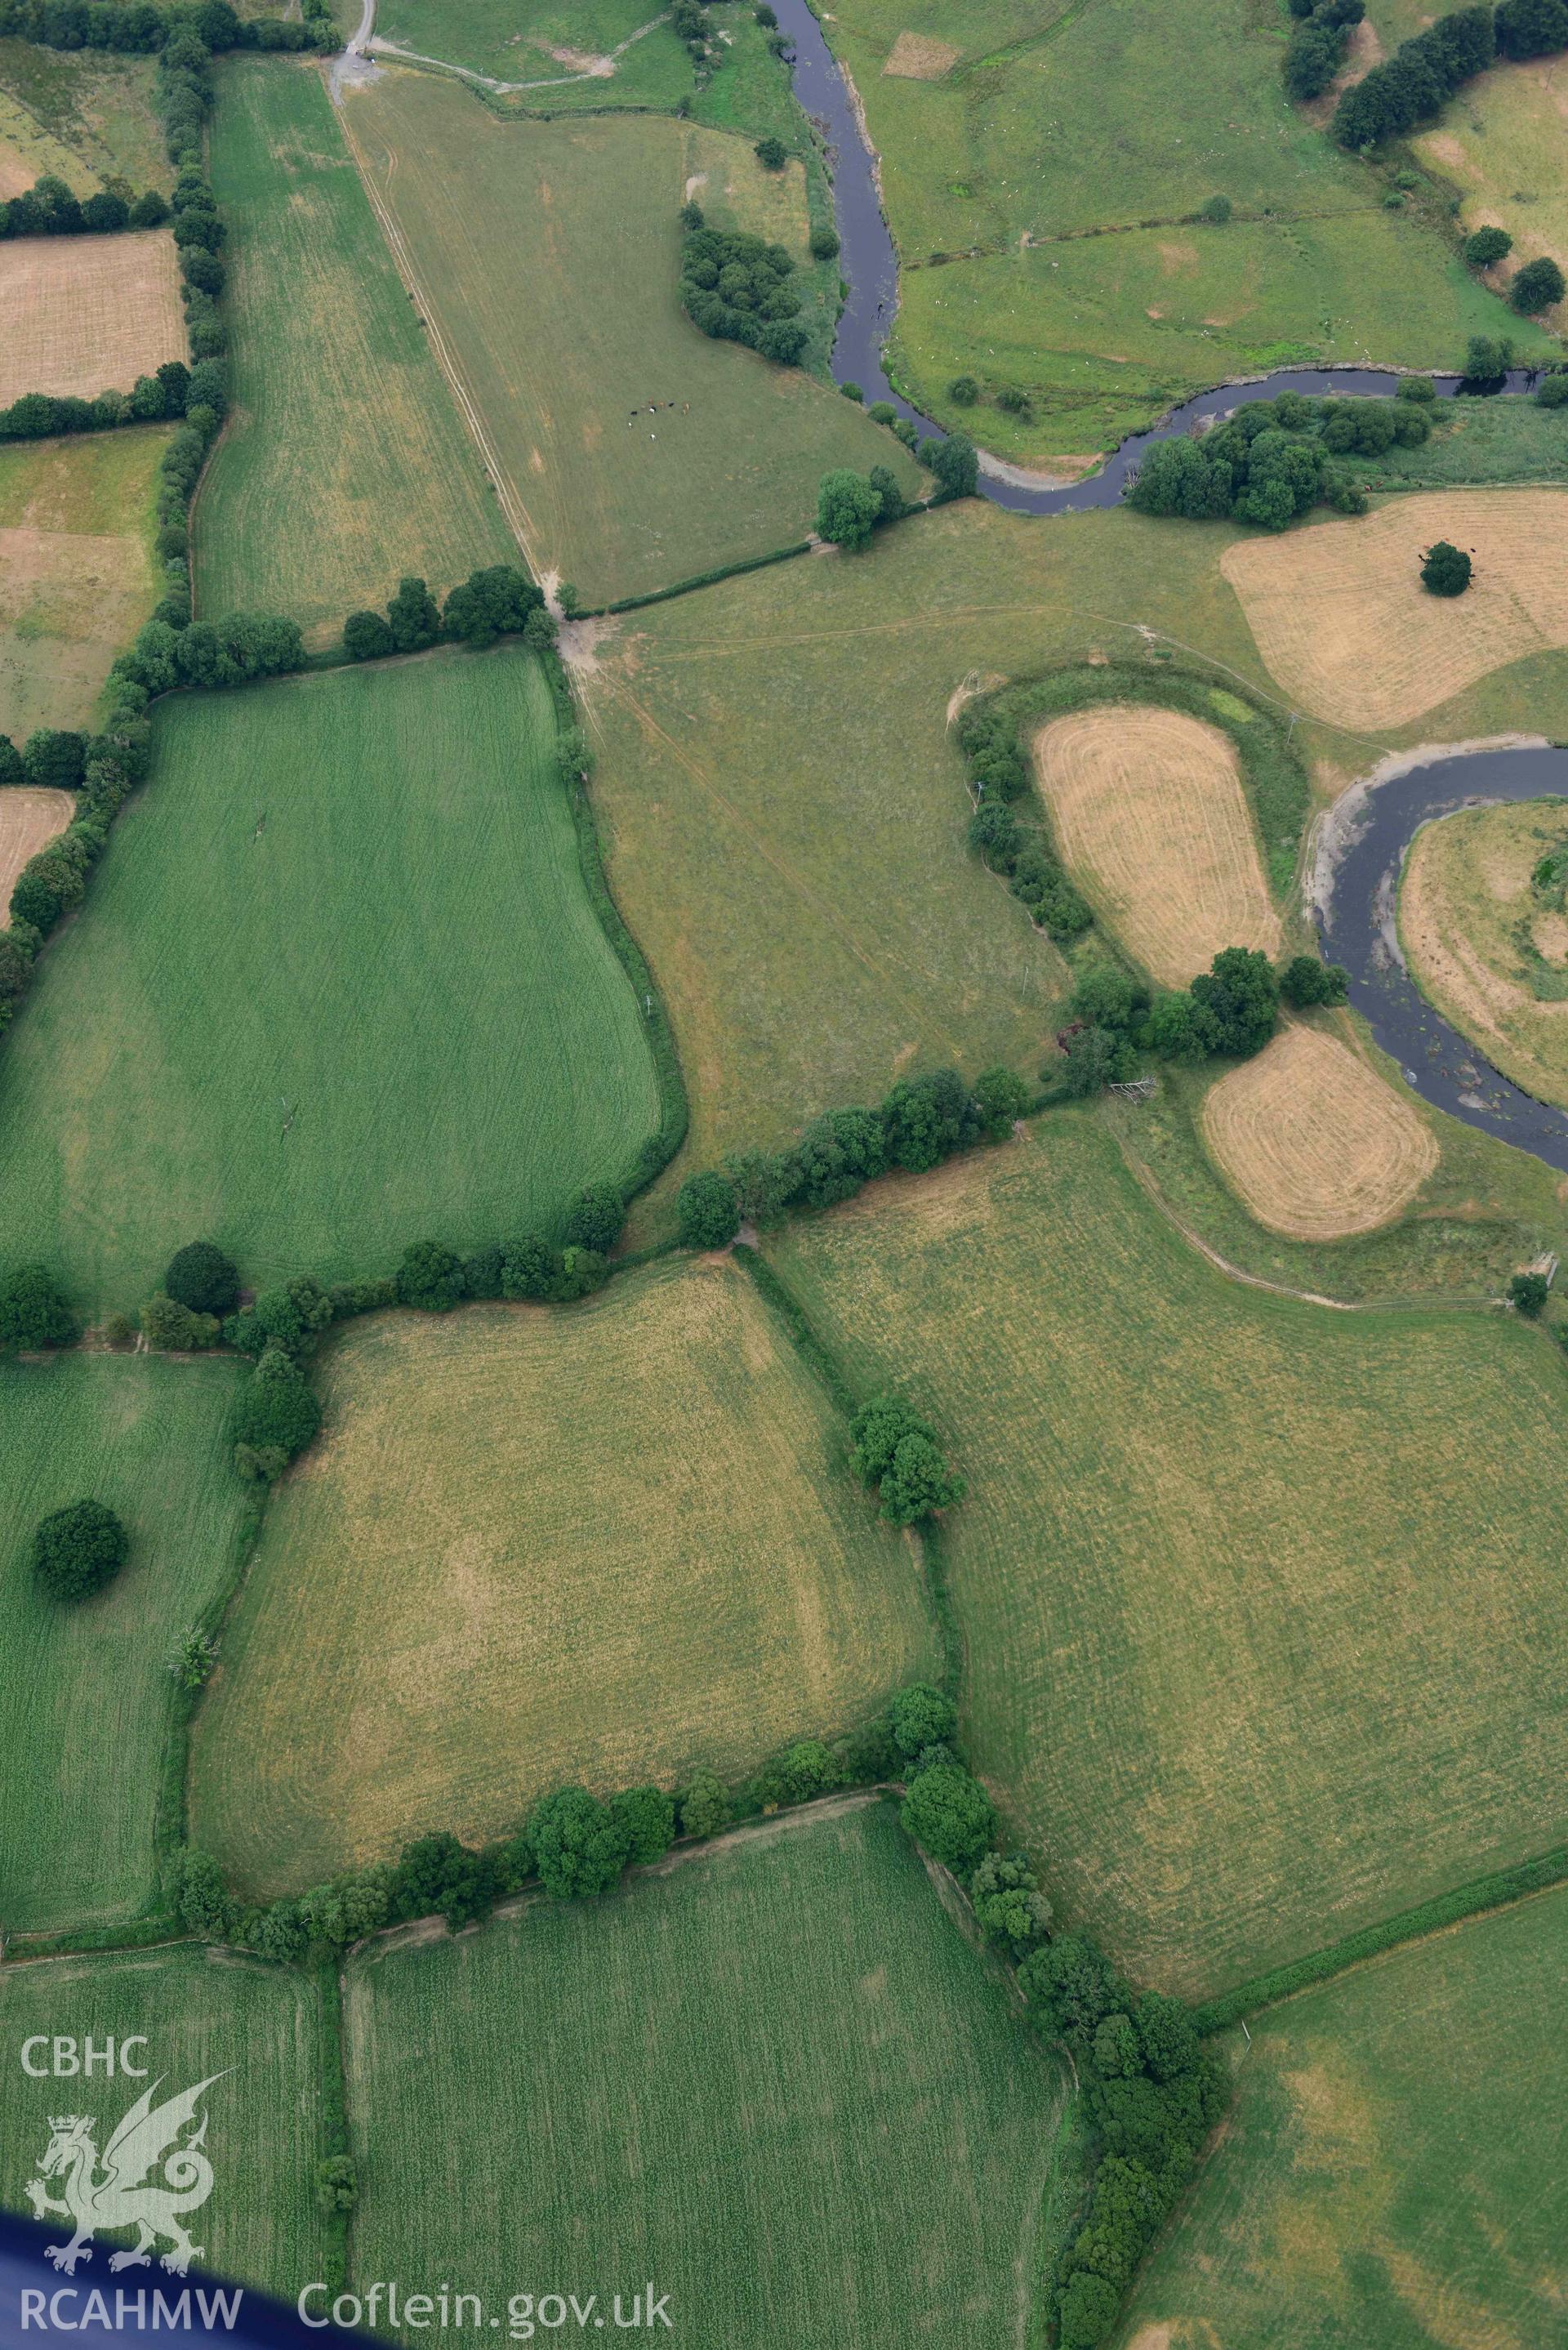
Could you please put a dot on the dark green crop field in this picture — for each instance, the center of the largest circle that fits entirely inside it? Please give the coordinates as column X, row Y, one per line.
column 338, row 987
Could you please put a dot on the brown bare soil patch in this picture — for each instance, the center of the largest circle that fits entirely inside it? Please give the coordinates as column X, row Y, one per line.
column 30, row 818
column 1150, row 814
column 1340, row 617
column 88, row 314
column 916, row 56
column 1314, row 1141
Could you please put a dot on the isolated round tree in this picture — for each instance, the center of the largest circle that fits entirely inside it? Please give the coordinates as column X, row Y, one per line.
column 1538, row 286
column 1487, row 246
column 201, row 1277
column 1445, row 570
column 79, row 1549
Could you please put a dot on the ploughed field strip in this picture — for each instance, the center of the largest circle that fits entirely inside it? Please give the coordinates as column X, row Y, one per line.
column 200, row 2013
column 339, row 986
column 773, row 2076
column 1393, row 2169
column 535, row 1546
column 1150, row 814
column 343, row 464
column 1262, row 1643
column 1342, row 620
column 87, row 1701
column 1488, row 941
column 76, row 573
column 88, row 314
column 632, row 449
column 1314, row 1140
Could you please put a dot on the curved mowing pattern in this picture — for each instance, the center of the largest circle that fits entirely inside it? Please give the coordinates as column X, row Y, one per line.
column 1266, row 1635
column 537, row 1546
column 1317, row 1144
column 773, row 2076
column 1151, row 816
column 340, row 987
column 1392, row 2172
column 85, row 1701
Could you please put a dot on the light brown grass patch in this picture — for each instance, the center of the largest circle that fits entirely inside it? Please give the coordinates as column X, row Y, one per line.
column 1340, row 617
column 1151, row 815
column 29, row 819
column 88, row 314
column 1314, row 1140
column 916, row 56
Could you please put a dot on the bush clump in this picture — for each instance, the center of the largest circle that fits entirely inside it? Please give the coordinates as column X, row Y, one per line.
column 737, row 288
column 896, row 1452
column 79, row 1549
column 34, row 1313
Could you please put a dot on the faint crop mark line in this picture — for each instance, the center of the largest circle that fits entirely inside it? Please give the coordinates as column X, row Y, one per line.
column 785, row 871
column 518, row 520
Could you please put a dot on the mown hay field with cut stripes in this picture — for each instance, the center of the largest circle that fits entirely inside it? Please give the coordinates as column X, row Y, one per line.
column 632, row 451
column 1315, row 1142
column 338, row 987
column 344, row 462
column 539, row 1546
column 1346, row 629
column 773, row 2076
column 88, row 314
column 29, row 819
column 203, row 2012
column 88, row 1705
column 1151, row 816
column 1392, row 2172
column 1262, row 1614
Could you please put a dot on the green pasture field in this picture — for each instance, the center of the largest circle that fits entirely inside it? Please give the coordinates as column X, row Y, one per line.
column 344, row 462
column 1392, row 2173
column 537, row 1546
column 1262, row 1629
column 520, row 46
column 547, row 256
column 76, row 573
column 87, row 1701
column 816, row 937
column 203, row 2014
column 338, row 987
column 773, row 2076
column 1477, row 441
column 1069, row 147
column 95, row 110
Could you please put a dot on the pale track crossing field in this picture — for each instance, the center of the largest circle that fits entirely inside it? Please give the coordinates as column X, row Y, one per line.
column 538, row 1545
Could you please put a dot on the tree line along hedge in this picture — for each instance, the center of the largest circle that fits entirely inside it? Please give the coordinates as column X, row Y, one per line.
column 1413, row 85
column 49, row 208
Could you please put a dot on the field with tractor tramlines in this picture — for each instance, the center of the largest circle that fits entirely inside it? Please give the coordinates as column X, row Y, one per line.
column 204, row 2014
column 344, row 462
column 632, row 449
column 347, row 988
column 76, row 575
column 773, row 2076
column 1392, row 2172
column 1263, row 1636
column 537, row 1545
column 1151, row 816
column 87, row 1701
column 88, row 314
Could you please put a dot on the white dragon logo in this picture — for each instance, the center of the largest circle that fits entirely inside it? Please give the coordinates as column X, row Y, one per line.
column 122, row 2196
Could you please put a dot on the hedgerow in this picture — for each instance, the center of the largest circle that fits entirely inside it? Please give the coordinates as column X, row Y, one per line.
column 50, row 208
column 139, row 28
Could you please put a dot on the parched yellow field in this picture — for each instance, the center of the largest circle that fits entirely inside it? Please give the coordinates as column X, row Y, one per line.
column 28, row 818
column 1471, row 929
column 1506, row 147
column 535, row 1546
column 1340, row 617
column 88, row 314
column 1151, row 815
column 75, row 568
column 1315, row 1142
